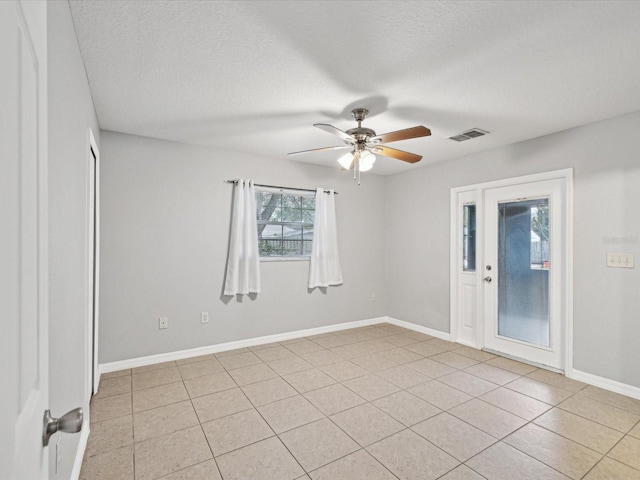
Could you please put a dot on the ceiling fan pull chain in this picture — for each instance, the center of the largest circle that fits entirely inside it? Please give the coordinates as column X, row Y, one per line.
column 356, row 156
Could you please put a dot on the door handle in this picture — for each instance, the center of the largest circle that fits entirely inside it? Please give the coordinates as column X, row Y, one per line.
column 487, row 279
column 71, row 422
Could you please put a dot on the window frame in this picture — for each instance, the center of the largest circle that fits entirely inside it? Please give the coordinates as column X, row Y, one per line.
column 290, row 192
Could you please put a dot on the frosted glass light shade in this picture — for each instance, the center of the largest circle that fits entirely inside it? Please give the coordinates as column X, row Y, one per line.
column 345, row 160
column 367, row 159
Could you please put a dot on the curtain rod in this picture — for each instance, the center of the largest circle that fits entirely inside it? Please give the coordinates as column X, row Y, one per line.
column 235, row 182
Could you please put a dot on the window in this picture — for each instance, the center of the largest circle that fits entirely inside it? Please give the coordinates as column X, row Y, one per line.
column 469, row 238
column 540, row 235
column 285, row 223
column 525, row 237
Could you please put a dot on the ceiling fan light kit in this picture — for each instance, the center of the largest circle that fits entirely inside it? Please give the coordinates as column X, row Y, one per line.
column 366, row 161
column 346, row 160
column 364, row 143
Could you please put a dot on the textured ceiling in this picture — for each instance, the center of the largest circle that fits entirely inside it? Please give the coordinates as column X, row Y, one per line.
column 253, row 76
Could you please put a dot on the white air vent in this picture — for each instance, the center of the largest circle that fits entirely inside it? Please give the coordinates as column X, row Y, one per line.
column 468, row 135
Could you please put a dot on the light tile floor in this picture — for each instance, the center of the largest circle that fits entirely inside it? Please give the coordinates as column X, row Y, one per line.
column 371, row 403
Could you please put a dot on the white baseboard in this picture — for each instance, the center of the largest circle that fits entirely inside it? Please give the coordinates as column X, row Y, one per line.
column 82, row 446
column 249, row 342
column 607, row 384
column 419, row 328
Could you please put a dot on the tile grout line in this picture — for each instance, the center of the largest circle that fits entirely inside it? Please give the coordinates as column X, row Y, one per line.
column 602, row 456
column 225, row 416
column 213, row 457
column 528, row 422
column 280, row 440
column 591, row 419
column 606, row 455
column 384, row 438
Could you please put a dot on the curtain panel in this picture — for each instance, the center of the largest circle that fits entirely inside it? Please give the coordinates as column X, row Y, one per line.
column 243, row 262
column 325, row 267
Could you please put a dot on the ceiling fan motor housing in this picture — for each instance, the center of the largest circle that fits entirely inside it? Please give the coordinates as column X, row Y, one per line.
column 360, row 133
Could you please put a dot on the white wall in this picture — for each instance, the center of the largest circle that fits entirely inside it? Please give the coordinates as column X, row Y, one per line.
column 70, row 114
column 606, row 161
column 165, row 213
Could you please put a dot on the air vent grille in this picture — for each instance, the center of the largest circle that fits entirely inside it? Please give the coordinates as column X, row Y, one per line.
column 468, row 135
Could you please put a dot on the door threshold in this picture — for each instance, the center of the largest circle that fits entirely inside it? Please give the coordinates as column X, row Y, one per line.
column 524, row 360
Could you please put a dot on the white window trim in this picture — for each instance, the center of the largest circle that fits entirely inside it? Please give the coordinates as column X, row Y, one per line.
column 301, row 258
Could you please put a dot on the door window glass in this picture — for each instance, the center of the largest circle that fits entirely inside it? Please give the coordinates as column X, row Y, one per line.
column 523, row 271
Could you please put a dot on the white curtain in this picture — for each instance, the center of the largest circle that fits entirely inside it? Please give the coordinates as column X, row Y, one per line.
column 243, row 264
column 325, row 262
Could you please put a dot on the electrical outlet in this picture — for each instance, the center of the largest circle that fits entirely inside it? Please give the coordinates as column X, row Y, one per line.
column 204, row 317
column 620, row 260
column 163, row 323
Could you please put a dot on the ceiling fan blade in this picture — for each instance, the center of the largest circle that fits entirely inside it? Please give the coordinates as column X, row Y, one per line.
column 398, row 135
column 397, row 154
column 335, row 131
column 323, row 149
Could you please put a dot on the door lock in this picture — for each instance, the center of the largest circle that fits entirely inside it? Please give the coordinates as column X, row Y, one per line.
column 487, row 279
column 71, row 422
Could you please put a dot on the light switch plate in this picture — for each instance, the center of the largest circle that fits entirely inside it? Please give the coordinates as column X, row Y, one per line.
column 620, row 260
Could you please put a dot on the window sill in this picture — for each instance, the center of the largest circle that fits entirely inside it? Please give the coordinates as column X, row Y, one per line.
column 284, row 259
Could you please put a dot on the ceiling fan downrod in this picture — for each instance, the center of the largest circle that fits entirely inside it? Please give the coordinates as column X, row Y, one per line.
column 358, row 114
column 360, row 134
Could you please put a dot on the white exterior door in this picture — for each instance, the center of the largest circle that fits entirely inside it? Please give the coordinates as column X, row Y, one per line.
column 523, row 271
column 23, row 249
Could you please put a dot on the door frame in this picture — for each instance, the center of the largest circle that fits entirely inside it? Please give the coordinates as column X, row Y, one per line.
column 457, row 193
column 92, row 239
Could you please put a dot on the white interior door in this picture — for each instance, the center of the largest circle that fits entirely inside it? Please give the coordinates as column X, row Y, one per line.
column 523, row 270
column 23, row 253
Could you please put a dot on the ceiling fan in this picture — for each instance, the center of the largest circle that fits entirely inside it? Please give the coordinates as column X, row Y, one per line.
column 364, row 144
